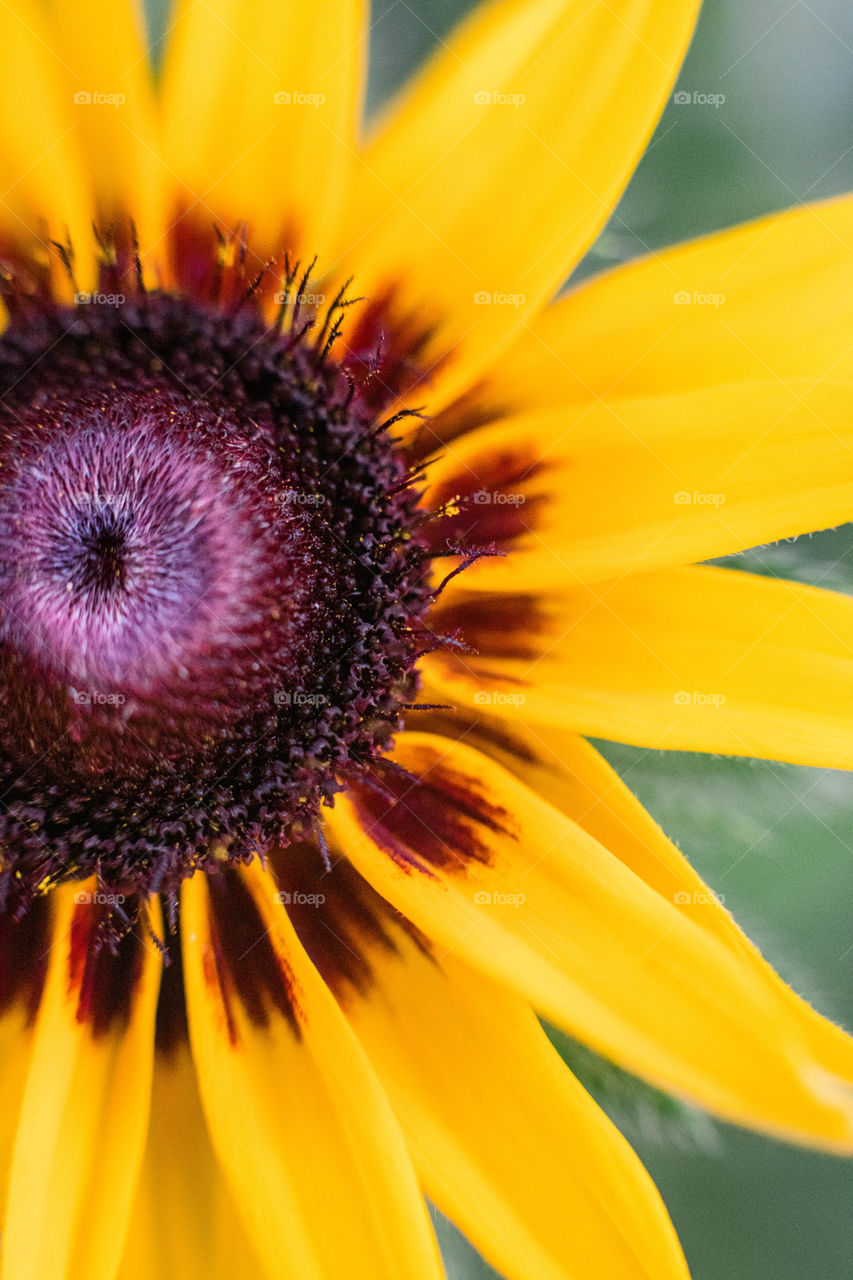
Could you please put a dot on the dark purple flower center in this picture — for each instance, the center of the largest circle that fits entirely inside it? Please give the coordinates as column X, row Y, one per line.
column 210, row 588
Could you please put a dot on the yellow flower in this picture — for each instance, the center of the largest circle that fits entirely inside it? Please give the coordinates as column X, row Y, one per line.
column 270, row 964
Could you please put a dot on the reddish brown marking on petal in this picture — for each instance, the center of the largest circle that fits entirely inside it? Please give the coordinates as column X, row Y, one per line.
column 25, row 273
column 496, row 509
column 440, row 819
column 491, row 736
column 212, row 963
column 498, row 626
column 462, row 416
column 171, row 1029
column 192, row 240
column 242, row 962
column 401, row 339
column 102, row 979
column 212, row 259
column 342, row 922
column 24, row 951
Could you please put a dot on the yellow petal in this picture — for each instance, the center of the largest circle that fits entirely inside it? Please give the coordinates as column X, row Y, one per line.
column 184, row 1222
column 570, row 774
column 84, row 1114
column 103, row 45
column 588, row 493
column 501, row 878
column 44, row 187
column 505, row 1140
column 262, row 103
column 772, row 298
column 502, row 161
column 24, row 947
column 694, row 659
column 306, row 1137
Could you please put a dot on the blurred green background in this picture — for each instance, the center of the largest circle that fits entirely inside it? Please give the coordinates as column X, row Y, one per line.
column 776, row 841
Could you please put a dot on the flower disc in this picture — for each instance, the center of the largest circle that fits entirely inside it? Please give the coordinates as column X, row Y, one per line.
column 209, row 593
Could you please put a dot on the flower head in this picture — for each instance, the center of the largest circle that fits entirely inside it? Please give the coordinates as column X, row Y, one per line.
column 214, row 582
column 307, row 603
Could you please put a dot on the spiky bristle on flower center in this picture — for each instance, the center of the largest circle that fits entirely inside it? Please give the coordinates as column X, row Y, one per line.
column 210, row 590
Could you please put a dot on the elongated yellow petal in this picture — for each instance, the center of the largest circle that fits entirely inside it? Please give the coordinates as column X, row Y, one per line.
column 496, row 875
column 184, row 1221
column 103, row 45
column 570, row 774
column 16, row 1047
column 44, row 187
column 499, row 165
column 262, row 104
column 588, row 493
column 306, row 1137
column 506, row 1141
column 84, row 1113
column 772, row 298
column 24, row 948
column 696, row 659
